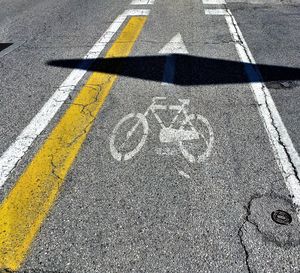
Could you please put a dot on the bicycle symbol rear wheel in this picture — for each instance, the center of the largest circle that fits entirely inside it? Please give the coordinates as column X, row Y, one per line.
column 117, row 152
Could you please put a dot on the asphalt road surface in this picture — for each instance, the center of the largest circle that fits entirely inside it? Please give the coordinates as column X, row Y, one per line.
column 150, row 136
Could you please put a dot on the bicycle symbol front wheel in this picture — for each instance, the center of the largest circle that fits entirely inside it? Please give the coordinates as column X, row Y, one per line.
column 117, row 150
column 206, row 136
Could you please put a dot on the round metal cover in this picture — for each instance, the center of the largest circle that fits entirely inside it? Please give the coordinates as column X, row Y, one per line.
column 281, row 217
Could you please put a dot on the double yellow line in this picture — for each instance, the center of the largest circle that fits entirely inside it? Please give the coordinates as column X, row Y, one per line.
column 27, row 205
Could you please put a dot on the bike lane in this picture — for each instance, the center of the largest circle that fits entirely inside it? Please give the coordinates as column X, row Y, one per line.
column 158, row 211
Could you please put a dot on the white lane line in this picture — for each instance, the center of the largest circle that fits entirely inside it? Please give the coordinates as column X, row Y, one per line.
column 17, row 149
column 216, row 12
column 176, row 45
column 11, row 48
column 285, row 153
column 213, row 2
column 142, row 2
column 136, row 12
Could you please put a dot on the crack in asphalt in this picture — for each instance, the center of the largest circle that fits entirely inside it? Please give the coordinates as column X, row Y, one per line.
column 281, row 143
column 278, row 137
column 240, row 41
column 241, row 232
column 98, row 88
column 219, row 42
column 5, row 270
column 265, row 236
column 54, row 167
column 85, row 110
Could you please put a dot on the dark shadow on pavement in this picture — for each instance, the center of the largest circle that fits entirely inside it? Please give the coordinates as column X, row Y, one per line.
column 190, row 70
column 4, row 46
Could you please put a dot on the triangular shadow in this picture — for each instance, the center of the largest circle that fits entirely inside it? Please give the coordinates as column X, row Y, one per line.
column 190, row 70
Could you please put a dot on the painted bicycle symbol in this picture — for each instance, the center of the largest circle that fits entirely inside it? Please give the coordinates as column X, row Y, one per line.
column 168, row 134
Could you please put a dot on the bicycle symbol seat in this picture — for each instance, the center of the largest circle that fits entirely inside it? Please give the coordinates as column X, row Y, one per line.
column 168, row 134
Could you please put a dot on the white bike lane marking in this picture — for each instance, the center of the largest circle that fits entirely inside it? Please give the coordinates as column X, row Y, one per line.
column 176, row 132
column 215, row 12
column 286, row 155
column 168, row 134
column 213, row 2
column 11, row 157
column 175, row 46
column 142, row 2
column 141, row 120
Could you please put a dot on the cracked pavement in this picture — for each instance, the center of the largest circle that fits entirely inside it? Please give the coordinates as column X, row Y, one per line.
column 158, row 212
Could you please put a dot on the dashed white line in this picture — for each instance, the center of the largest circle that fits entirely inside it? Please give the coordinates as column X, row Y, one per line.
column 142, row 2
column 136, row 12
column 216, row 12
column 16, row 151
column 285, row 153
column 213, row 2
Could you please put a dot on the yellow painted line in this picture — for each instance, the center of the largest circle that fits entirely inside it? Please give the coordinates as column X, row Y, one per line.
column 27, row 205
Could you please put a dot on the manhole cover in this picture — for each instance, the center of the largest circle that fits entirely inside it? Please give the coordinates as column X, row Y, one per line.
column 281, row 217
